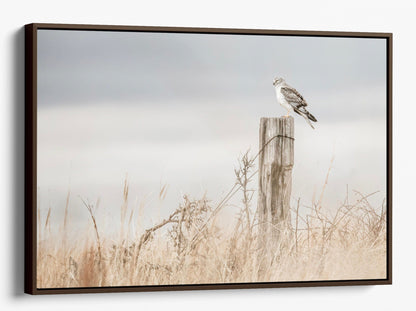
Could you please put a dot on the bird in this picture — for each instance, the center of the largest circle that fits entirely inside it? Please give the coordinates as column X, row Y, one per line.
column 290, row 99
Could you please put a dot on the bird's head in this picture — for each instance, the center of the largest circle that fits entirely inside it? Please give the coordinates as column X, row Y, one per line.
column 277, row 81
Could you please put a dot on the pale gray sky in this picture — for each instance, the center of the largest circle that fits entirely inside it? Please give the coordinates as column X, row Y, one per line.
column 92, row 67
column 179, row 108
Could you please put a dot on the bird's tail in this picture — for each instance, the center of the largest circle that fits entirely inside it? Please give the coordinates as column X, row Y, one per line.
column 308, row 120
column 307, row 115
column 310, row 116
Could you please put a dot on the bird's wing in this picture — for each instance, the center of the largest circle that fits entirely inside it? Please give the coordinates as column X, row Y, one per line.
column 293, row 97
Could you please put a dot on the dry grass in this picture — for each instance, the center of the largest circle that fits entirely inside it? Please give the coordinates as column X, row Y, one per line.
column 190, row 246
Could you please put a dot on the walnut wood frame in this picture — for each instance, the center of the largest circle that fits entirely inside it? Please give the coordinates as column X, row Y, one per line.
column 31, row 157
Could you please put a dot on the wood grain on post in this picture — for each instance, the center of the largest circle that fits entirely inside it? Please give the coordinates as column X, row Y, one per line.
column 276, row 157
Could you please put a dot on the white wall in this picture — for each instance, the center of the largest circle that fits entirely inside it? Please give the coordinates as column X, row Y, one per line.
column 353, row 15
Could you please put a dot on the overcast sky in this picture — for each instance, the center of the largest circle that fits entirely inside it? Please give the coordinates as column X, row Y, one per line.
column 179, row 108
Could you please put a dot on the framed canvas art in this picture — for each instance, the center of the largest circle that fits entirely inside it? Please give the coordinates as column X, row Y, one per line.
column 162, row 158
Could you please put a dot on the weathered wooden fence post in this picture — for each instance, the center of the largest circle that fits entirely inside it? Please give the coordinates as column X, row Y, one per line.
column 276, row 157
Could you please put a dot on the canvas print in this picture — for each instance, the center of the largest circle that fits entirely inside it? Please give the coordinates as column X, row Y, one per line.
column 209, row 158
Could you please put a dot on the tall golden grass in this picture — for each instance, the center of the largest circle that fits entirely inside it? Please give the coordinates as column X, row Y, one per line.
column 191, row 246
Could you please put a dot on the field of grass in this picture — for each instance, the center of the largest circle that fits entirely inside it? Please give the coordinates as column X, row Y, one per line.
column 193, row 246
